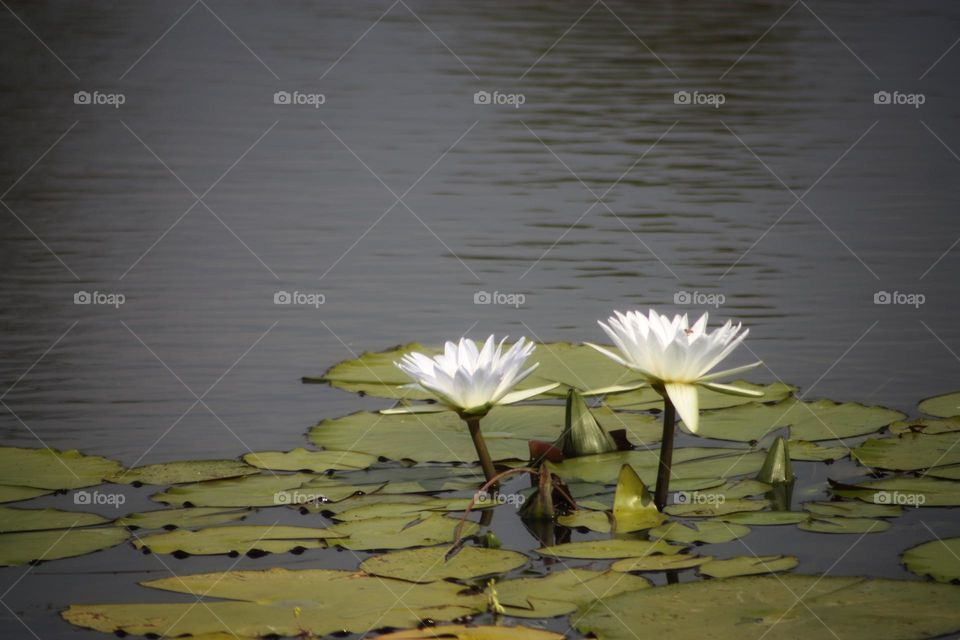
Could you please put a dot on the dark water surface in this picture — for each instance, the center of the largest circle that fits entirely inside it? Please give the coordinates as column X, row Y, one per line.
column 399, row 199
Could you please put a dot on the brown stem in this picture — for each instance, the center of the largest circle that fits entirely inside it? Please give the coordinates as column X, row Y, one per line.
column 666, row 453
column 489, row 471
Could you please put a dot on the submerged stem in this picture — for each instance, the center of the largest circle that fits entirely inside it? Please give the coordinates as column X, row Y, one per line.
column 666, row 453
column 486, row 462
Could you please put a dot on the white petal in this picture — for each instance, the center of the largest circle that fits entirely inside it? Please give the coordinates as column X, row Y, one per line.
column 616, row 388
column 684, row 398
column 517, row 396
column 731, row 390
column 729, row 372
column 414, row 408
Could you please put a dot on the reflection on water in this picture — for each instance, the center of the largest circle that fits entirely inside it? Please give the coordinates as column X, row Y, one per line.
column 399, row 198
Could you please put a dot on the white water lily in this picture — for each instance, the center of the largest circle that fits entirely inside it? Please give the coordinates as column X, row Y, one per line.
column 674, row 357
column 470, row 379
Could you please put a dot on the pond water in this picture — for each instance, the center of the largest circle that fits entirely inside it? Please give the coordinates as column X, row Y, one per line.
column 791, row 206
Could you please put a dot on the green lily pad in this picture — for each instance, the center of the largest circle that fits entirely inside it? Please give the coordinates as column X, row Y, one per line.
column 603, row 549
column 247, row 491
column 281, row 602
column 563, row 592
column 647, row 399
column 597, row 521
column 950, row 472
column 689, row 463
column 939, row 559
column 844, row 525
column 305, row 460
column 851, row 608
column 944, row 406
column 11, row 493
column 910, row 452
column 399, row 533
column 443, row 437
column 660, row 563
column 236, row 540
column 461, row 632
column 183, row 471
column 573, row 365
column 905, row 491
column 633, row 507
column 925, row 425
column 35, row 546
column 13, row 519
column 766, row 518
column 853, row 509
column 708, row 531
column 188, row 518
column 693, row 508
column 748, row 566
column 429, row 564
column 410, row 510
column 52, row 469
column 806, row 451
column 812, row 421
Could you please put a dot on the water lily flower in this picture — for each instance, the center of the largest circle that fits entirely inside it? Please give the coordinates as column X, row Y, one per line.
column 471, row 380
column 674, row 357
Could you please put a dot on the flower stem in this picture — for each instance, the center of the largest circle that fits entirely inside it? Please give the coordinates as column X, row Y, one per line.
column 666, row 453
column 489, row 471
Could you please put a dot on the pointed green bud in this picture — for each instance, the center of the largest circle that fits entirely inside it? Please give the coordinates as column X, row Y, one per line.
column 582, row 434
column 776, row 468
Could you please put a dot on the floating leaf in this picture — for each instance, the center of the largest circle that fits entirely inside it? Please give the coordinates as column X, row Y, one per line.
column 910, row 451
column 806, row 451
column 820, row 420
column 709, row 531
column 281, row 602
column 582, row 435
column 844, row 525
column 633, row 507
column 906, row 491
column 766, row 518
column 237, row 539
column 704, row 505
column 13, row 519
column 52, row 469
column 386, row 509
column 945, row 406
column 443, row 437
column 689, row 463
column 399, row 533
column 766, row 606
column 427, row 565
column 748, row 566
column 188, row 518
column 10, row 493
column 617, row 548
column 939, row 559
column 951, row 472
column 460, row 632
column 853, row 509
column 28, row 547
column 593, row 520
column 563, row 592
column 925, row 425
column 660, row 563
column 183, row 471
column 305, row 460
column 647, row 399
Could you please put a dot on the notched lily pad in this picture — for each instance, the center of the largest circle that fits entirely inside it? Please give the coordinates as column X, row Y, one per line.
column 311, row 461
column 660, row 563
column 36, row 546
column 943, row 406
column 430, row 564
column 692, row 508
column 910, row 451
column 53, row 469
column 939, row 559
column 399, row 533
column 183, row 471
column 748, row 566
column 708, row 531
column 237, row 539
column 563, row 592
